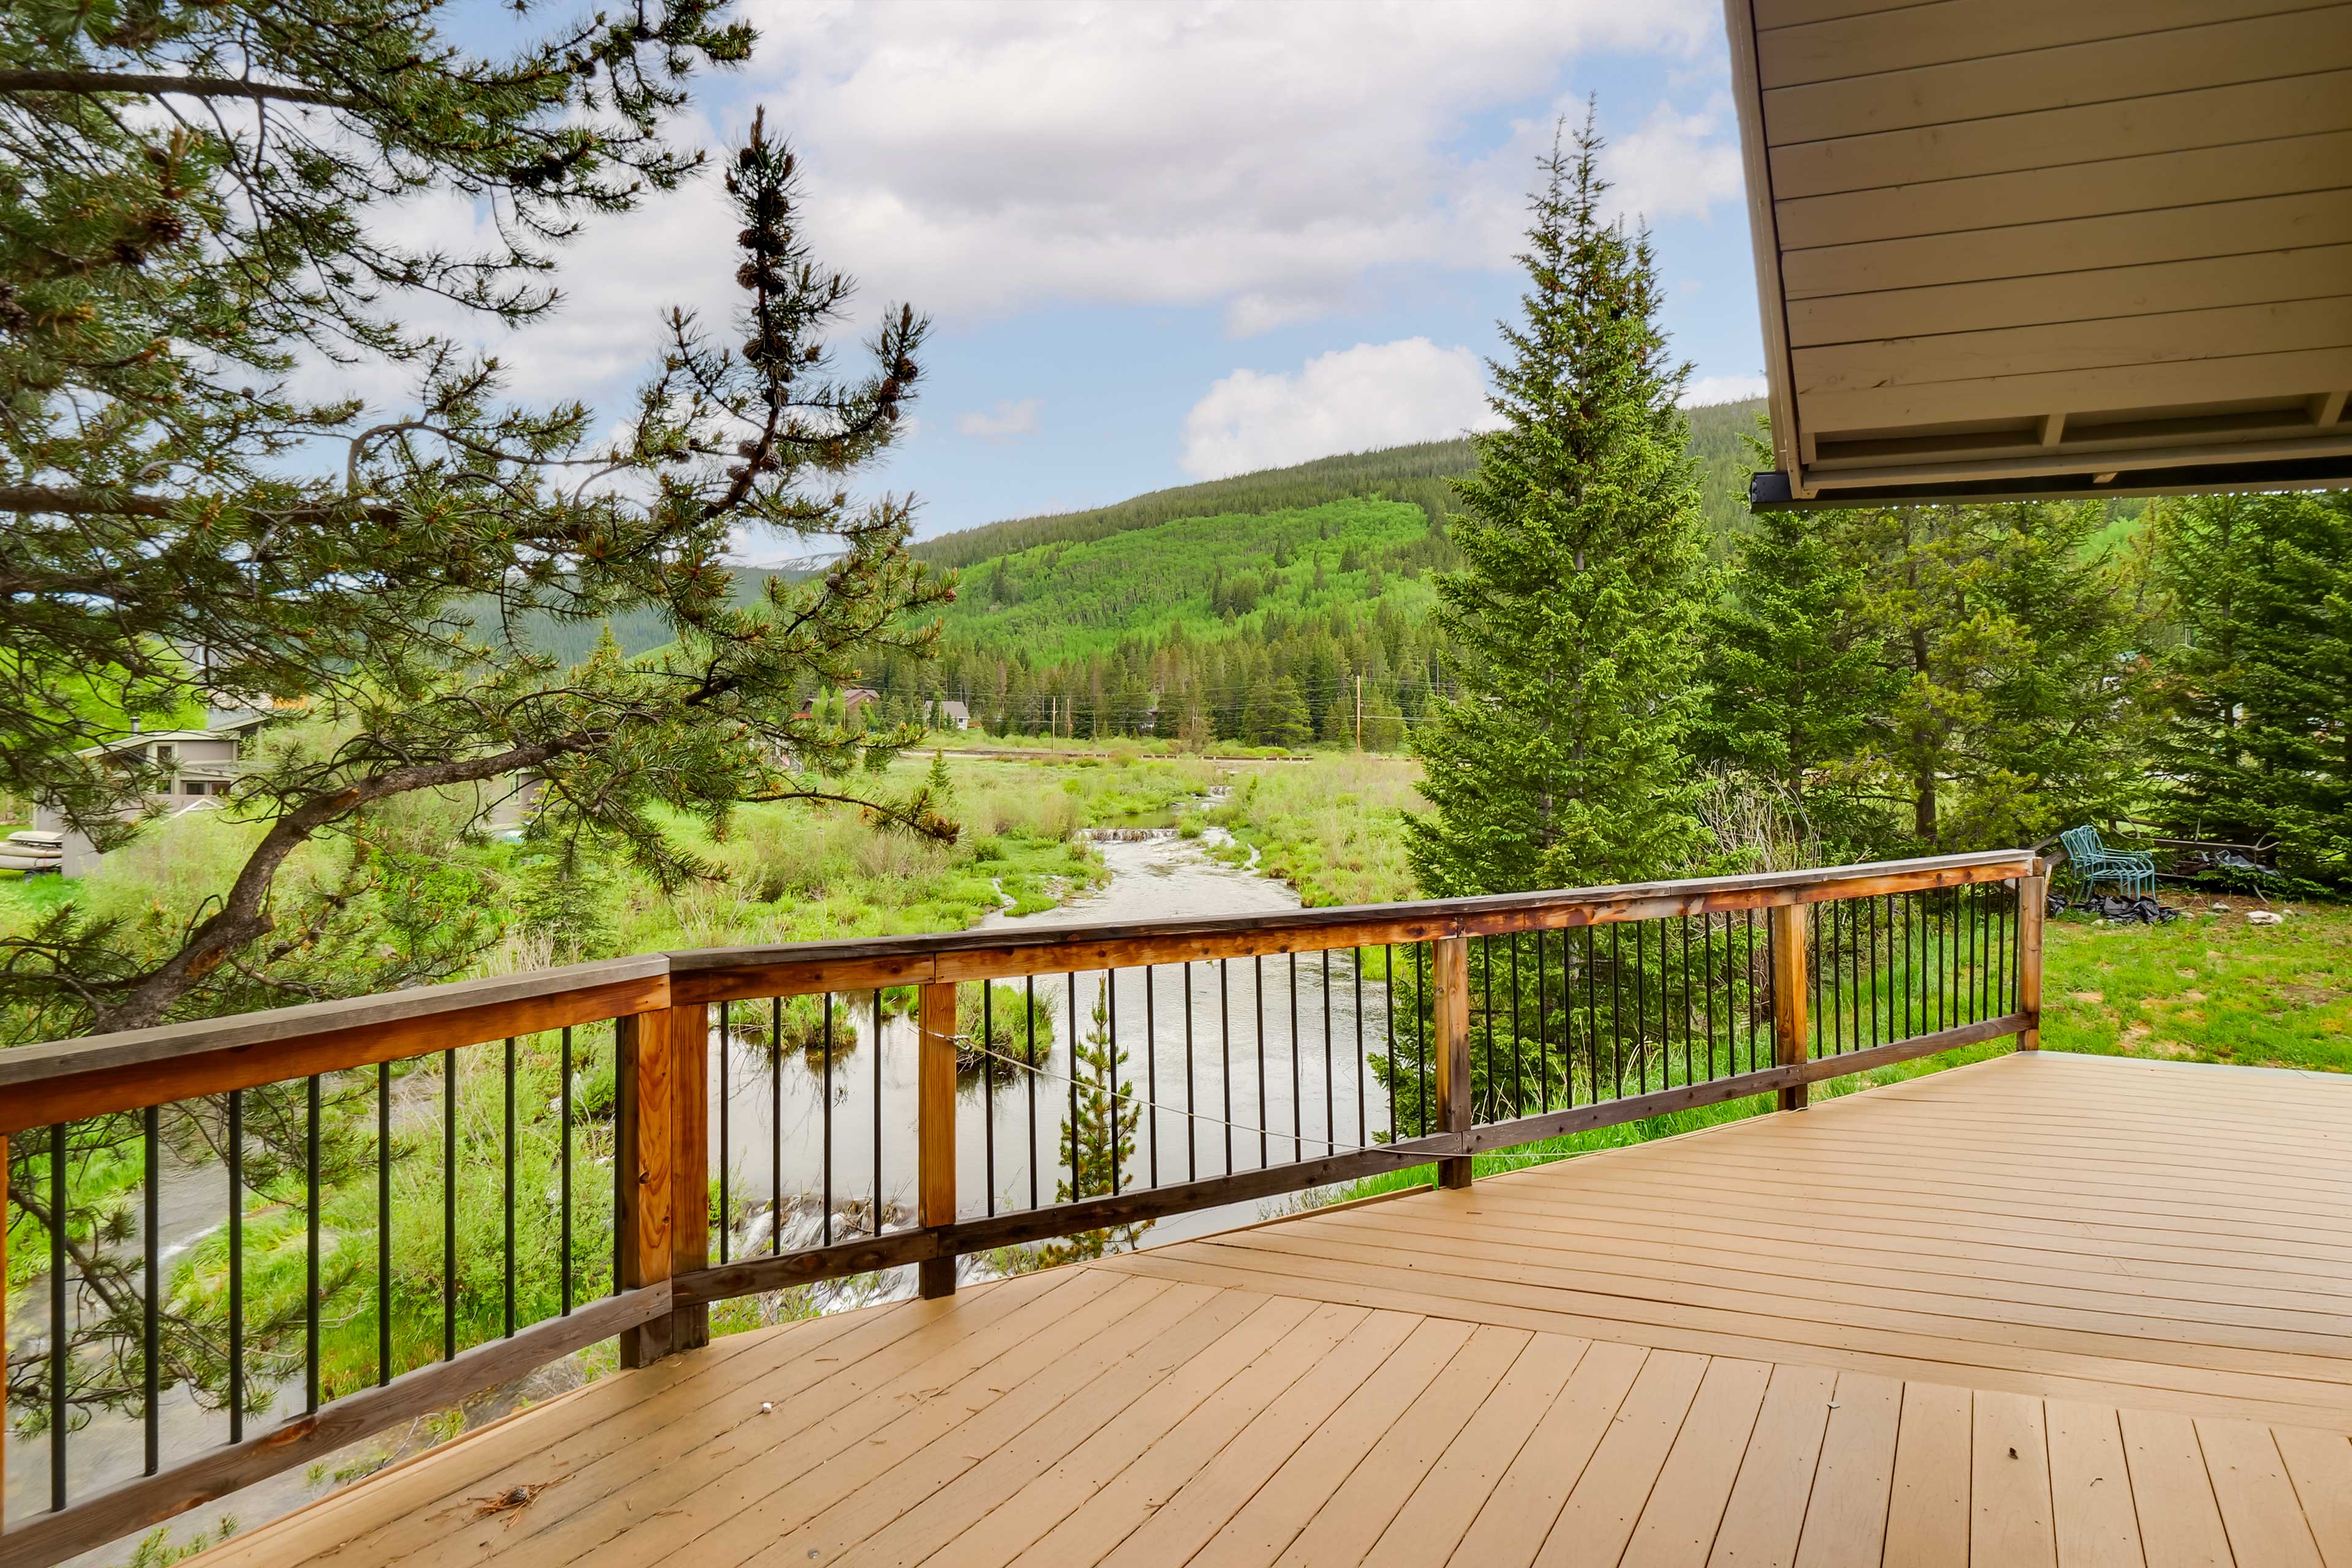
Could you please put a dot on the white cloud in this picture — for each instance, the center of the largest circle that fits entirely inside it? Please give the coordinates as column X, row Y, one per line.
column 985, row 158
column 981, row 157
column 1007, row 421
column 1723, row 389
column 1374, row 394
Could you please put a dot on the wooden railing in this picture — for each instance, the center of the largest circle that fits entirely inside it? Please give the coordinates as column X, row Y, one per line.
column 1447, row 1029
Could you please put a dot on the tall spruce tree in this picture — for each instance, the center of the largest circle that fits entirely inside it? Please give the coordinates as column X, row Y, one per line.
column 1558, row 757
column 1794, row 675
column 2255, row 702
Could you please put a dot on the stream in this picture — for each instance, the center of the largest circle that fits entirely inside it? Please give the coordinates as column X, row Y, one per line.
column 1202, row 1122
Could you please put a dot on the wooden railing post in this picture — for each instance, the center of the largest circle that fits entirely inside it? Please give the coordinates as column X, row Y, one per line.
column 1790, row 1021
column 2032, row 902
column 935, row 1103
column 689, row 1054
column 642, row 1171
column 1450, row 973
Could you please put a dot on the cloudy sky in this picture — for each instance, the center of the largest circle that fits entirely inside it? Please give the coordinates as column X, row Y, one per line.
column 1168, row 242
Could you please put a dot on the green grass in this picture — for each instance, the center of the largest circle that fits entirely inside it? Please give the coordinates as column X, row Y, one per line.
column 2212, row 988
column 1329, row 827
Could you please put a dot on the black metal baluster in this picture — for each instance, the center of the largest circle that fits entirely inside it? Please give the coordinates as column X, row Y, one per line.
column 1363, row 1114
column 1813, row 983
column 1110, row 1014
column 1486, row 951
column 1747, row 1008
column 1032, row 1055
column 1592, row 1014
column 1617, row 1010
column 1257, row 993
column 1151, row 1069
column 1192, row 1092
column 726, row 1208
column 1642, row 1004
column 877, row 1110
column 236, row 1265
column 1225, row 1056
column 450, row 1204
column 1910, row 967
column 1690, row 1074
column 1519, row 1051
column 1421, row 1020
column 1707, row 983
column 1297, row 1096
column 987, row 1084
column 310, row 1251
column 776, row 1127
column 1543, row 1028
column 1331, row 1084
column 563, row 1118
column 509, row 1141
column 1875, row 1037
column 61, row 1324
column 827, row 1197
column 151, row 1317
column 1772, row 986
column 383, row 1218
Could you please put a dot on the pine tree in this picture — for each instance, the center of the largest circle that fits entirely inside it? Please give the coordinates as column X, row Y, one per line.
column 1286, row 723
column 1793, row 675
column 1098, row 1140
column 2256, row 702
column 1559, row 759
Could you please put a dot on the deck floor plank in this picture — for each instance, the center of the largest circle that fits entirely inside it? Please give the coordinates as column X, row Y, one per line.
column 2039, row 1313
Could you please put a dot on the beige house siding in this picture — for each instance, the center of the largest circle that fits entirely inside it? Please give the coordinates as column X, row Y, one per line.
column 2014, row 238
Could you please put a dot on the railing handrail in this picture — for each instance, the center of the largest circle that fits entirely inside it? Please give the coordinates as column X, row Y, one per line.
column 356, row 1031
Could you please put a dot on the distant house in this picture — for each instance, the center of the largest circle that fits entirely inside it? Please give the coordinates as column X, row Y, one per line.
column 204, row 762
column 951, row 715
column 199, row 763
column 850, row 698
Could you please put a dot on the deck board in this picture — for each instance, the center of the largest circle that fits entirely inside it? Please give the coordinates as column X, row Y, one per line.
column 2064, row 1312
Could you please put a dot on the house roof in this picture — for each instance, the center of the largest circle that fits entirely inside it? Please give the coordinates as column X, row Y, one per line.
column 2010, row 248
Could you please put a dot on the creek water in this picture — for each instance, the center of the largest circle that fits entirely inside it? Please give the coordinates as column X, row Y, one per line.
column 1234, row 1065
column 1274, row 1072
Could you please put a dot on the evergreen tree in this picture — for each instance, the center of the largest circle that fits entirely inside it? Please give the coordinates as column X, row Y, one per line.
column 1559, row 759
column 1793, row 675
column 2256, row 702
column 1098, row 1140
column 2012, row 647
column 1285, row 715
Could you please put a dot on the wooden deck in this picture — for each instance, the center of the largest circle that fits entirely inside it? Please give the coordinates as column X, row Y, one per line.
column 2044, row 1310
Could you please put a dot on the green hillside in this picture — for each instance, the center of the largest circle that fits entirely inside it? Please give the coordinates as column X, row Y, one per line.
column 1213, row 576
column 1416, row 474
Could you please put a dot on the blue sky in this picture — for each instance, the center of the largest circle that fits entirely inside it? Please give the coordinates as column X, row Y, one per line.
column 1164, row 242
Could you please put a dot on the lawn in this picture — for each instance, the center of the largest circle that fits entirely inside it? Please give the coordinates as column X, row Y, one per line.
column 2209, row 988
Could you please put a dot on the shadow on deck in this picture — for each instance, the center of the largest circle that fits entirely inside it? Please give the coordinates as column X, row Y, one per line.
column 2042, row 1310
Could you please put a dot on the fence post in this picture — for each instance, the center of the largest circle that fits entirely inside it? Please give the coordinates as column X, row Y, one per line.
column 1450, row 970
column 935, row 1103
column 642, row 1171
column 689, row 1054
column 1790, row 923
column 2032, row 903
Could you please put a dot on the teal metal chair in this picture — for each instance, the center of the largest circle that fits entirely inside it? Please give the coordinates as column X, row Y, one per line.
column 2094, row 863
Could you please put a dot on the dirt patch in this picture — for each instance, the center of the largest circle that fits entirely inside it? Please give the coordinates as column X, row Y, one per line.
column 2092, row 997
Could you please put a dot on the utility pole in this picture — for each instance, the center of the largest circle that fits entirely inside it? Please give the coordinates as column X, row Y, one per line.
column 1360, row 712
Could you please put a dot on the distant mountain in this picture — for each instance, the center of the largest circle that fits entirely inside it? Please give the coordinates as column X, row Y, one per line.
column 1082, row 600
